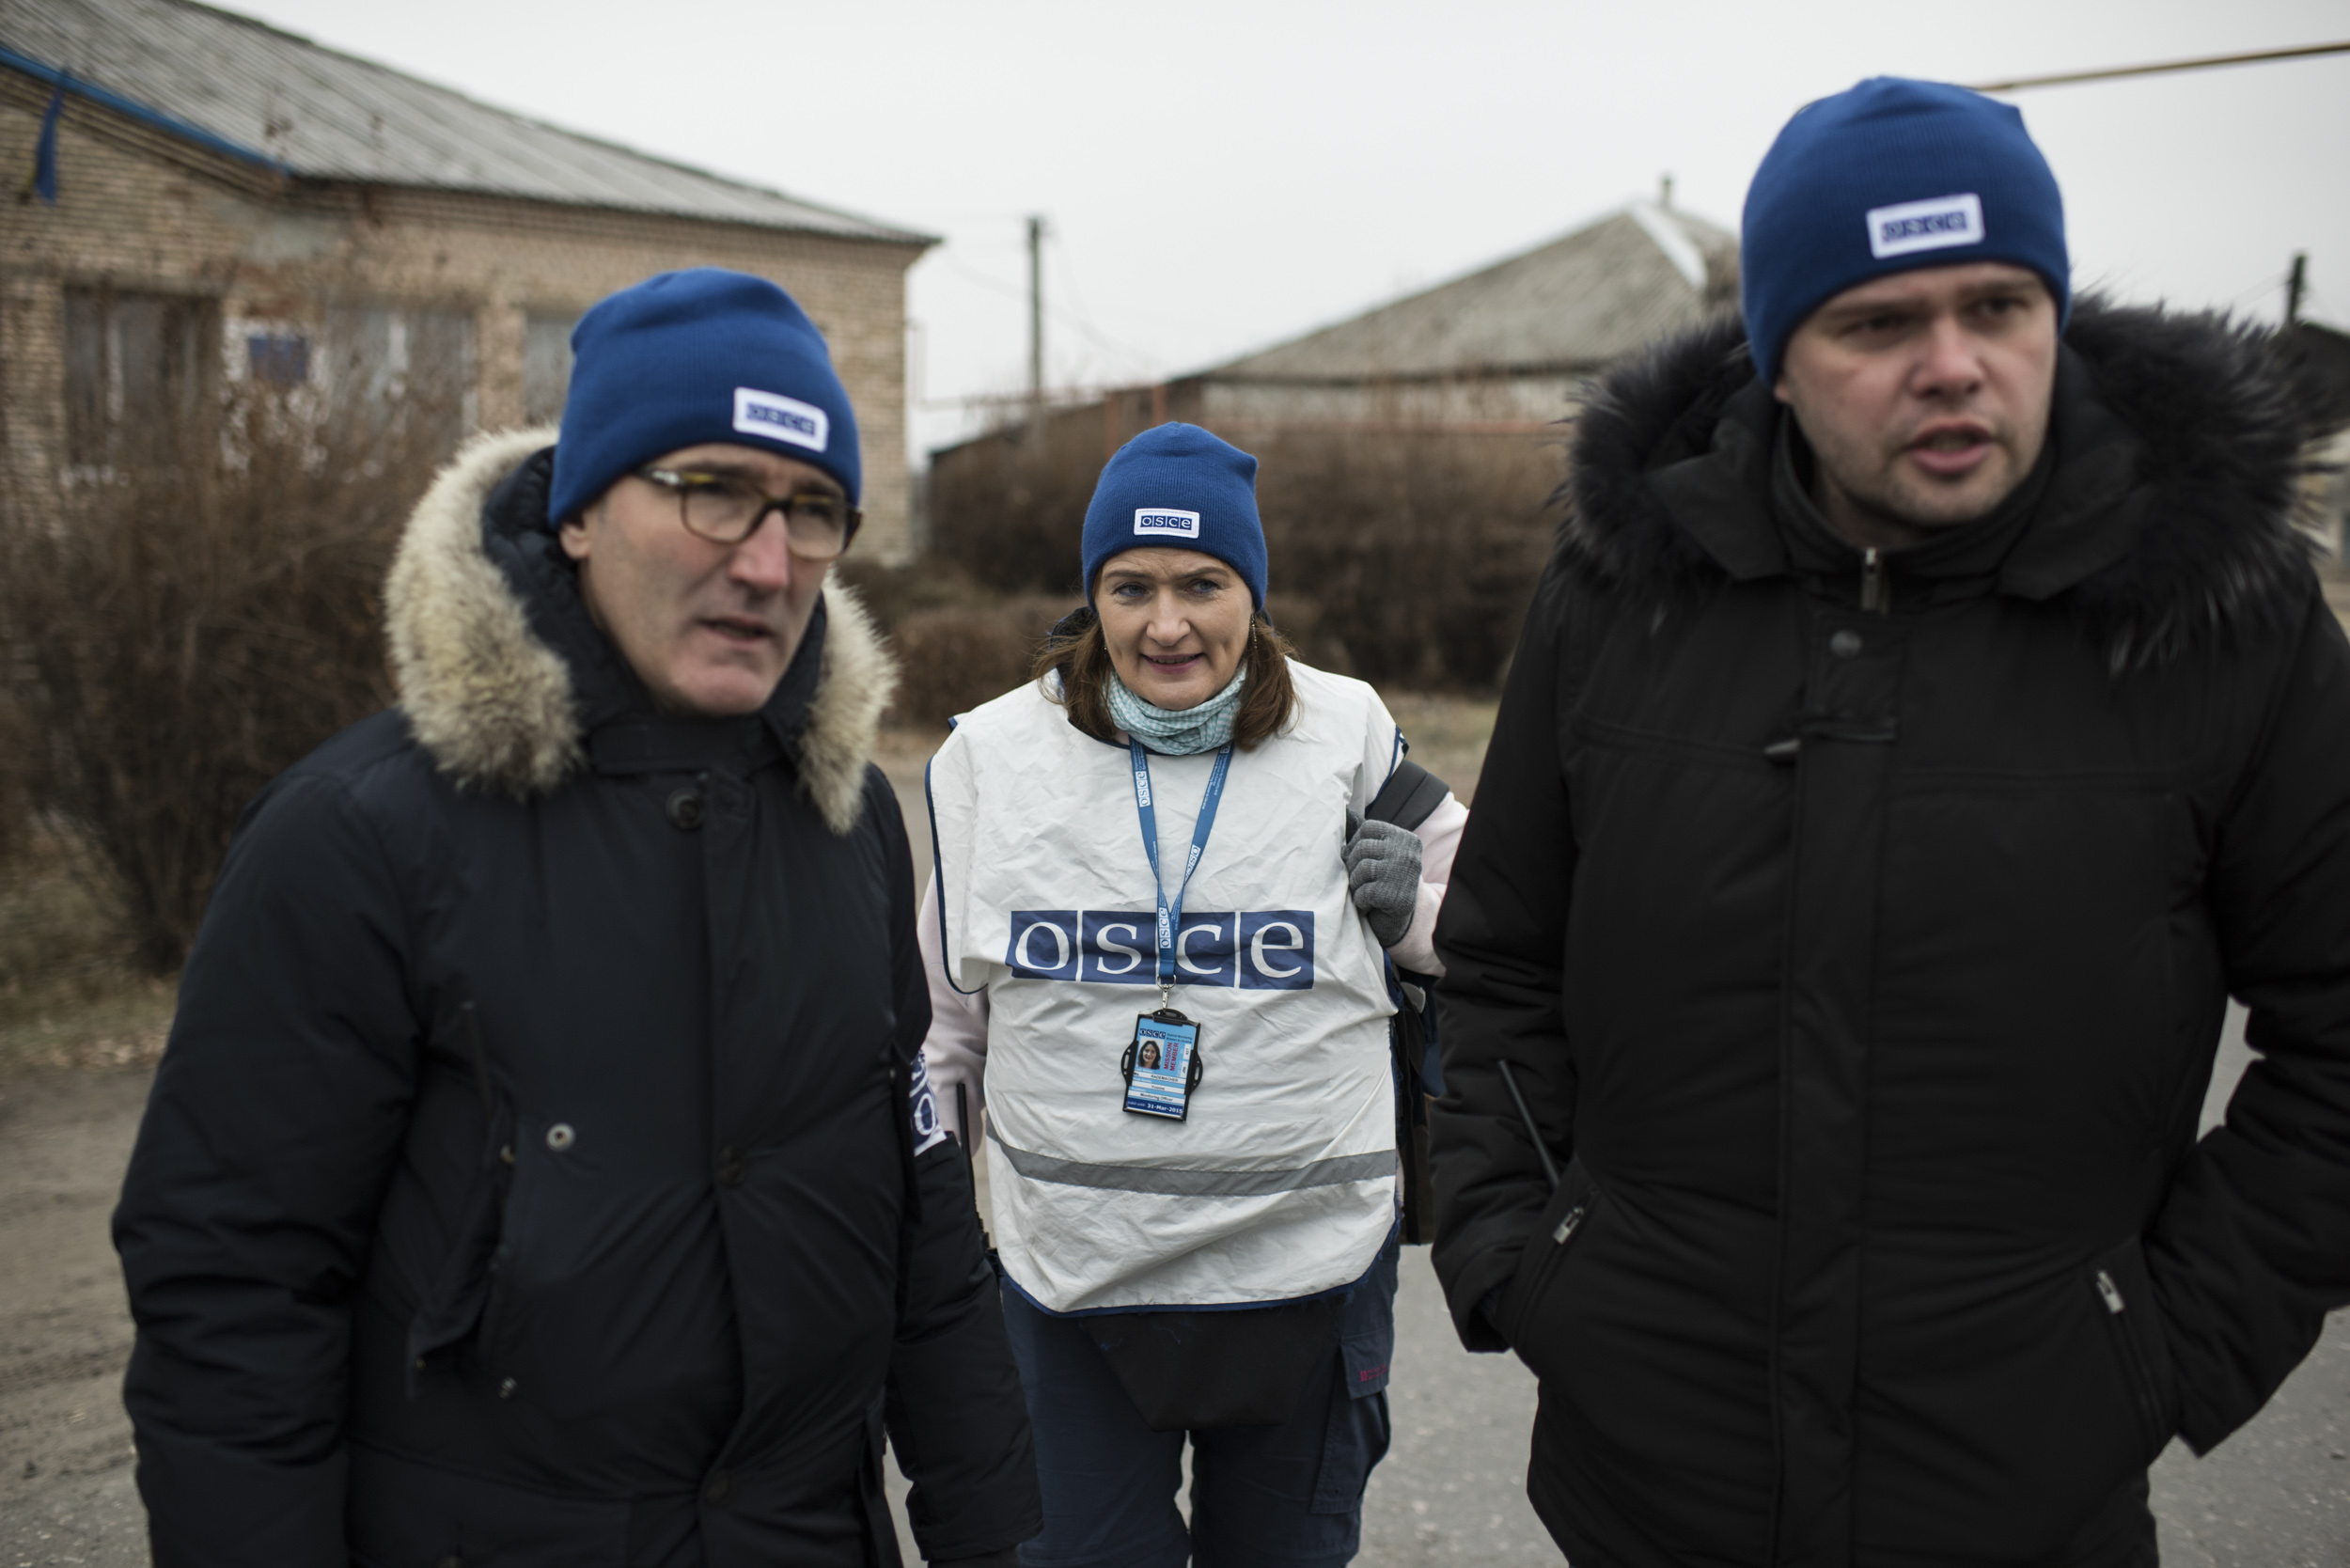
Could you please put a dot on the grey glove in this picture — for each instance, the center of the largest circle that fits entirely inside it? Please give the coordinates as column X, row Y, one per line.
column 1382, row 876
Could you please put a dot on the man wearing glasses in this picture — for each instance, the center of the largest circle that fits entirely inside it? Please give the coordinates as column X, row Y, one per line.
column 541, row 1168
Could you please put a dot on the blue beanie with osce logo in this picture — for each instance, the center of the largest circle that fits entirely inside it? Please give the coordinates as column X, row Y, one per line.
column 1889, row 175
column 1177, row 485
column 687, row 357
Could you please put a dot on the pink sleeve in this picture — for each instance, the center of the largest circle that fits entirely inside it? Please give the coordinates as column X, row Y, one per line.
column 955, row 1050
column 1439, row 840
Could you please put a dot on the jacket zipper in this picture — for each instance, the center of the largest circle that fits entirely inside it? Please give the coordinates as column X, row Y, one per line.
column 1876, row 593
column 1561, row 1234
column 2133, row 1363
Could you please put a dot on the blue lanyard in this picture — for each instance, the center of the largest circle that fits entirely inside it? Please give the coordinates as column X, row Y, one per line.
column 1172, row 917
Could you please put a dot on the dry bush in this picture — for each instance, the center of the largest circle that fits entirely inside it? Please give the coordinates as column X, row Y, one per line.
column 183, row 625
column 954, row 658
column 1399, row 556
column 17, row 739
column 892, row 593
column 959, row 642
column 1420, row 550
column 1008, row 510
column 1301, row 621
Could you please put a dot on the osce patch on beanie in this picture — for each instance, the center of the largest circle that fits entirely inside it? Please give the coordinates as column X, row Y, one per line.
column 1889, row 175
column 688, row 357
column 1178, row 485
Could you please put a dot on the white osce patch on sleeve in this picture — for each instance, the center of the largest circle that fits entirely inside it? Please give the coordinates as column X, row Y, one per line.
column 922, row 1104
column 780, row 418
column 1166, row 523
column 1935, row 225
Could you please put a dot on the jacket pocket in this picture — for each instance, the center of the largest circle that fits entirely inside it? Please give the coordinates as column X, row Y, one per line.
column 1564, row 1219
column 2124, row 1295
column 454, row 1304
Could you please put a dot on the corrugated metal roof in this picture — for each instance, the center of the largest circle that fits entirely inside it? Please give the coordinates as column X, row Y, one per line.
column 282, row 99
column 1580, row 301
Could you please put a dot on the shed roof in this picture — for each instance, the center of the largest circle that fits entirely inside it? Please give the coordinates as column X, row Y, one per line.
column 251, row 91
column 1575, row 303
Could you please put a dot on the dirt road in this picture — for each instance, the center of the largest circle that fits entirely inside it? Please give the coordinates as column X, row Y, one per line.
column 66, row 1494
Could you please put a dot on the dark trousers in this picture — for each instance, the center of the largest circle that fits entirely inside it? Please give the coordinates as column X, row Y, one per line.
column 1289, row 1496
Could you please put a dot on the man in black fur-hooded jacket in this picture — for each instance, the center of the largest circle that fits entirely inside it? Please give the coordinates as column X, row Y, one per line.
column 1928, row 720
column 541, row 1171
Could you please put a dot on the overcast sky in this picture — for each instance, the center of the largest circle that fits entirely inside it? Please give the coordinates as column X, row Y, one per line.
column 1223, row 174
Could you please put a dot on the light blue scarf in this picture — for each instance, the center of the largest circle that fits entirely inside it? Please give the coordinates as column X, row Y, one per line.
column 1178, row 732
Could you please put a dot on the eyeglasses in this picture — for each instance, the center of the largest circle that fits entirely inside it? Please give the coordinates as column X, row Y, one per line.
column 817, row 526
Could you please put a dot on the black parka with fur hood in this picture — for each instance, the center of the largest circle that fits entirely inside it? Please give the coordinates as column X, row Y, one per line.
column 532, row 1174
column 1864, row 969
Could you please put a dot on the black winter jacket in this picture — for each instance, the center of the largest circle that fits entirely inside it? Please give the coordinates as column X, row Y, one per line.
column 1865, row 971
column 531, row 1174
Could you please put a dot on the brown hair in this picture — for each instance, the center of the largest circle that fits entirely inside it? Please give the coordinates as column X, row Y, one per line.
column 1076, row 650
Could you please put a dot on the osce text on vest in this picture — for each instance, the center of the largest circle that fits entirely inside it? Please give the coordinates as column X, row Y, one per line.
column 1268, row 949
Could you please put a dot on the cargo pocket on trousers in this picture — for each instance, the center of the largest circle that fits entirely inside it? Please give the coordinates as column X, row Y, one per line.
column 1355, row 1437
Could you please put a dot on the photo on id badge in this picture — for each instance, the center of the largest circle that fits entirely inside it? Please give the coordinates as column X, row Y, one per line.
column 1161, row 1065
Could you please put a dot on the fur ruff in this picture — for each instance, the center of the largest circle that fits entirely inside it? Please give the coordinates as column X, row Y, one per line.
column 2227, row 433
column 493, row 706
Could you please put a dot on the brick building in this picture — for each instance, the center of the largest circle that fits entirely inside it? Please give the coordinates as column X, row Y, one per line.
column 233, row 201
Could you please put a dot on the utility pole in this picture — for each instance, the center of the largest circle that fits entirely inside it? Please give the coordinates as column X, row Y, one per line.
column 2296, row 283
column 1036, row 324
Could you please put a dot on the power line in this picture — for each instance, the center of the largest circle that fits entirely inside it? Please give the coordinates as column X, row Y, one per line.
column 1077, row 315
column 2204, row 63
column 1010, row 290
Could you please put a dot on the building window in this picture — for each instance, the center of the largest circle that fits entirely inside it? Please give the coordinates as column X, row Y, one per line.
column 278, row 358
column 408, row 371
column 137, row 367
column 546, row 367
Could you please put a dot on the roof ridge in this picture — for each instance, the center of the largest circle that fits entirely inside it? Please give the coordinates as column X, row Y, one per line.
column 1659, row 227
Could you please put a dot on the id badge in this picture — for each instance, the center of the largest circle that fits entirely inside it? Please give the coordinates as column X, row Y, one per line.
column 1162, row 1064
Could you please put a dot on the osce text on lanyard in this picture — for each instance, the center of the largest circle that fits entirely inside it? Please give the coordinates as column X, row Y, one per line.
column 1170, row 916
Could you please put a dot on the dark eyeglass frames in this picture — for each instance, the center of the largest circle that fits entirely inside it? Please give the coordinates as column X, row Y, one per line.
column 817, row 526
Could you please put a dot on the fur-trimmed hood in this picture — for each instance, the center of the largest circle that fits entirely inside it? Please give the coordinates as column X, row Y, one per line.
column 2182, row 444
column 501, row 707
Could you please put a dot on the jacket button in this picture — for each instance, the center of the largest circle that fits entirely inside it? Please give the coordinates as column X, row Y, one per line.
column 731, row 1167
column 717, row 1489
column 506, row 1388
column 685, row 809
column 1844, row 644
column 560, row 1136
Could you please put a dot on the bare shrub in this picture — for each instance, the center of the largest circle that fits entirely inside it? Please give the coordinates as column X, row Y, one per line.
column 891, row 593
column 1008, row 510
column 1399, row 556
column 17, row 740
column 1419, row 548
column 955, row 657
column 184, row 625
column 1301, row 620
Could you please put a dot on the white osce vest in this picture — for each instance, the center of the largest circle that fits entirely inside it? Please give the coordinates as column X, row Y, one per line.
column 1280, row 1184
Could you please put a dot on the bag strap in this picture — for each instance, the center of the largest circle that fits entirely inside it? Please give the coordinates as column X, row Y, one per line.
column 1410, row 793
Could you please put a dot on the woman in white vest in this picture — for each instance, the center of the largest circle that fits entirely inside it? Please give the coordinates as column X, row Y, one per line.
column 1158, row 932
